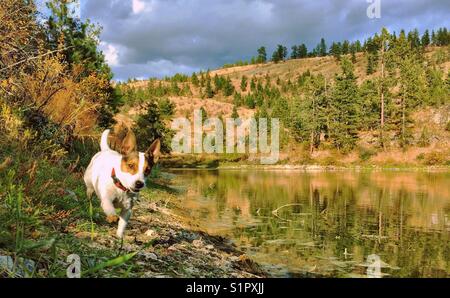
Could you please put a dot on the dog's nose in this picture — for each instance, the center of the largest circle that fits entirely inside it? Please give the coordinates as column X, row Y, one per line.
column 139, row 184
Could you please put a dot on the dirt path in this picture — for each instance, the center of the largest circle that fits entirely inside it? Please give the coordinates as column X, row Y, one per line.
column 170, row 245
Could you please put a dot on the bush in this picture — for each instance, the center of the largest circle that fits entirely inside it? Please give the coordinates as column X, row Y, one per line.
column 366, row 153
column 436, row 158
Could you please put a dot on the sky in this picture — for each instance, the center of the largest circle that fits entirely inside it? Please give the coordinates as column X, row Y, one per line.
column 157, row 38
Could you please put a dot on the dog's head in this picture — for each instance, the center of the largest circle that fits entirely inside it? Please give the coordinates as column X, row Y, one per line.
column 136, row 166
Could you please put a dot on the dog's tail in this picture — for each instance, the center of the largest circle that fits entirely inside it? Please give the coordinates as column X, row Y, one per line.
column 104, row 141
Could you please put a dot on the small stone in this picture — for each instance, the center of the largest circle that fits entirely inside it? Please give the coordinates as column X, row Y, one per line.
column 210, row 246
column 152, row 256
column 197, row 243
column 150, row 233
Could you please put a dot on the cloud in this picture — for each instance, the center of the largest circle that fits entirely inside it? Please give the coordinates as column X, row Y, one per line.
column 159, row 37
column 138, row 6
column 111, row 54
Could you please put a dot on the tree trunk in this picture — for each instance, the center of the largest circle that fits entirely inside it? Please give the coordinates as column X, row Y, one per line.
column 382, row 98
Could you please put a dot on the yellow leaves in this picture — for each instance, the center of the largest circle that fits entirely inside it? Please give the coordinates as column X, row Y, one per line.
column 9, row 122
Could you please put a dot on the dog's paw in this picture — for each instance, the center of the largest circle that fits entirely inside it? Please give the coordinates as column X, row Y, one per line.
column 112, row 218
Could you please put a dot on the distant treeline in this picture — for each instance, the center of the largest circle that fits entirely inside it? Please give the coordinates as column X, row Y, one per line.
column 440, row 37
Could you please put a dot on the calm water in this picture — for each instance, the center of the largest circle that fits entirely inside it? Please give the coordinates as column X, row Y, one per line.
column 327, row 224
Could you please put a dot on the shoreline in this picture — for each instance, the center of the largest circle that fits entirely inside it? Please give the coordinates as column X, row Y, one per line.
column 315, row 168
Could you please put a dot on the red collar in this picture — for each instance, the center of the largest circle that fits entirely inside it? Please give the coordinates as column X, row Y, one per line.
column 117, row 181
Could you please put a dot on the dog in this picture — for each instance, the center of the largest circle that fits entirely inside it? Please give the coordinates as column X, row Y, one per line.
column 117, row 177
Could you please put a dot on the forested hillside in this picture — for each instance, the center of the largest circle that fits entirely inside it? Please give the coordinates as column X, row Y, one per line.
column 382, row 101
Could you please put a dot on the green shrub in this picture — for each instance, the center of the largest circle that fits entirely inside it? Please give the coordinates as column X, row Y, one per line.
column 366, row 153
column 436, row 158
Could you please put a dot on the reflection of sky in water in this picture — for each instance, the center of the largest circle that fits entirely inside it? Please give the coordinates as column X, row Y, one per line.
column 329, row 223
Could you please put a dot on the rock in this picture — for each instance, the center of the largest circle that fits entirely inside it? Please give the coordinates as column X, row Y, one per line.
column 150, row 233
column 198, row 243
column 210, row 246
column 153, row 256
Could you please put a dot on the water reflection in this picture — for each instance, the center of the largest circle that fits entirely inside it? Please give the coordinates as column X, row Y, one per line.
column 327, row 224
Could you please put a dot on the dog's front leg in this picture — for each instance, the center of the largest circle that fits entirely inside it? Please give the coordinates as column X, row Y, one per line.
column 125, row 215
column 108, row 208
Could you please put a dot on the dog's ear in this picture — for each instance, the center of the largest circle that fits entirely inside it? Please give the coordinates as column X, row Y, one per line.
column 154, row 151
column 129, row 143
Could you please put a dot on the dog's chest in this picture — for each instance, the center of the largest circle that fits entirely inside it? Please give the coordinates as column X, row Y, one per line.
column 124, row 200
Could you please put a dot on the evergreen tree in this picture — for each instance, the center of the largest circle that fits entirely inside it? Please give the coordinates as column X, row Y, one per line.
column 302, row 51
column 294, row 53
column 244, row 82
column 152, row 126
column 194, row 80
column 322, row 48
column 80, row 38
column 335, row 50
column 237, row 99
column 426, row 39
column 345, row 49
column 250, row 101
column 234, row 113
column 345, row 108
column 279, row 54
column 228, row 88
column 353, row 53
column 262, row 55
column 253, row 84
column 209, row 93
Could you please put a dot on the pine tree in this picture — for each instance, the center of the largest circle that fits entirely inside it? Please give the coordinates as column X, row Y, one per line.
column 237, row 99
column 194, row 80
column 426, row 39
column 345, row 47
column 322, row 48
column 244, row 82
column 228, row 88
column 253, row 84
column 345, row 108
column 302, row 51
column 262, row 55
column 294, row 53
column 335, row 50
column 209, row 93
column 353, row 53
column 279, row 54
column 234, row 113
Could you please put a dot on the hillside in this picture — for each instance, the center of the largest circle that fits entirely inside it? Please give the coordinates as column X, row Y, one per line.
column 284, row 77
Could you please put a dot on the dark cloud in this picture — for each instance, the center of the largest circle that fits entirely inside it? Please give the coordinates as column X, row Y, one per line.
column 160, row 37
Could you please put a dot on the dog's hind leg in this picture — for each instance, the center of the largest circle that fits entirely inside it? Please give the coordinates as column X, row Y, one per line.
column 89, row 192
column 125, row 215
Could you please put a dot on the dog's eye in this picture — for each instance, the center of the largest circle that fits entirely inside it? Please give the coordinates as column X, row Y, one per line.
column 147, row 171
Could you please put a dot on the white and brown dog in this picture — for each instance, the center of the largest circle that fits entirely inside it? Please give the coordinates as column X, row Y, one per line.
column 118, row 177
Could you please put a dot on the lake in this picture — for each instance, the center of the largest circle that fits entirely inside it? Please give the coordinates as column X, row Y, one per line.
column 328, row 224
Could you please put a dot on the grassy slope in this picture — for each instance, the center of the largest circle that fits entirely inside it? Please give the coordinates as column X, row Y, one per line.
column 434, row 120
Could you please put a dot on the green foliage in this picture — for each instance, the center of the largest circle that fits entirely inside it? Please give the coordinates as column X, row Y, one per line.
column 228, row 88
column 234, row 113
column 345, row 108
column 194, row 80
column 336, row 50
column 209, row 93
column 366, row 153
column 262, row 55
column 237, row 99
column 279, row 54
column 79, row 38
column 244, row 83
column 155, row 124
